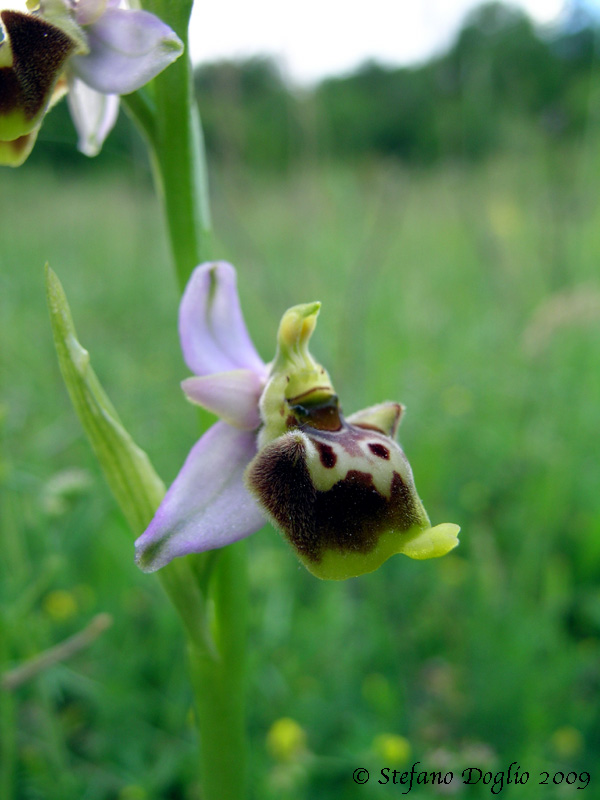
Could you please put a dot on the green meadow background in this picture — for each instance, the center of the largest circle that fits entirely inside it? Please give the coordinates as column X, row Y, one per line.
column 465, row 288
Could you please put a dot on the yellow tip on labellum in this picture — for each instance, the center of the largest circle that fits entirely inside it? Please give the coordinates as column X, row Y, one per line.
column 15, row 152
column 429, row 543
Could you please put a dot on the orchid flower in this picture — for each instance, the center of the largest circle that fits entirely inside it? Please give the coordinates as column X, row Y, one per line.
column 340, row 490
column 92, row 49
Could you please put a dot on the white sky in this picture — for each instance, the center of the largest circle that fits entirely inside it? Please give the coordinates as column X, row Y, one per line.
column 312, row 38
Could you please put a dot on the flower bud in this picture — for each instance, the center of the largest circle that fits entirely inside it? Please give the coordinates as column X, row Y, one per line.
column 342, row 491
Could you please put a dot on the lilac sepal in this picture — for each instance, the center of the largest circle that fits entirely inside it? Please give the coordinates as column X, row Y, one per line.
column 211, row 326
column 233, row 396
column 94, row 115
column 208, row 505
column 127, row 49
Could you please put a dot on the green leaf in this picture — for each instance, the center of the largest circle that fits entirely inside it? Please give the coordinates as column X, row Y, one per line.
column 130, row 475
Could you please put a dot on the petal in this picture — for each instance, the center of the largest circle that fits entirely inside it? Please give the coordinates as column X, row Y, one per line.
column 208, row 505
column 233, row 396
column 94, row 115
column 127, row 49
column 211, row 326
column 384, row 417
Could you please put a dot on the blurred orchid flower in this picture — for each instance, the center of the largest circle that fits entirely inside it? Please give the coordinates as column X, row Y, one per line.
column 93, row 49
column 341, row 491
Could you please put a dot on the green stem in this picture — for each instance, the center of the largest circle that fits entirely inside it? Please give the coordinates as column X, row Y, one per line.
column 218, row 681
column 143, row 110
column 179, row 155
column 7, row 723
column 217, row 643
column 179, row 162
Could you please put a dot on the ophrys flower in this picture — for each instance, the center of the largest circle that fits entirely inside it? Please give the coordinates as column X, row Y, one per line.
column 340, row 490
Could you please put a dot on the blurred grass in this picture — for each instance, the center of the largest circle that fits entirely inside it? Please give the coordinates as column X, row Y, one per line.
column 471, row 295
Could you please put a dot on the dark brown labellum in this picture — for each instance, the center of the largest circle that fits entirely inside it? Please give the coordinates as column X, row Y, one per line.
column 335, row 490
column 39, row 52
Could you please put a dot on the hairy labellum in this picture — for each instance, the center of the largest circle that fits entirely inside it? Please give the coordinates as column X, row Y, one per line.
column 32, row 57
column 341, row 491
column 345, row 499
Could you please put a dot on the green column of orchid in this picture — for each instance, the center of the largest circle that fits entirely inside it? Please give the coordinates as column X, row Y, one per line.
column 218, row 667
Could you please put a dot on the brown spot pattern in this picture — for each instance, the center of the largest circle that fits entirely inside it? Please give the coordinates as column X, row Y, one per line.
column 349, row 517
column 379, row 450
column 327, row 455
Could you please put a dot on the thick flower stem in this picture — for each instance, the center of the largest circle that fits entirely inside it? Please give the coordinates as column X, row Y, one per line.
column 218, row 679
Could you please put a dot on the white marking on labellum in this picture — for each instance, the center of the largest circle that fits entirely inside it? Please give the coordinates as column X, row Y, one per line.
column 355, row 449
